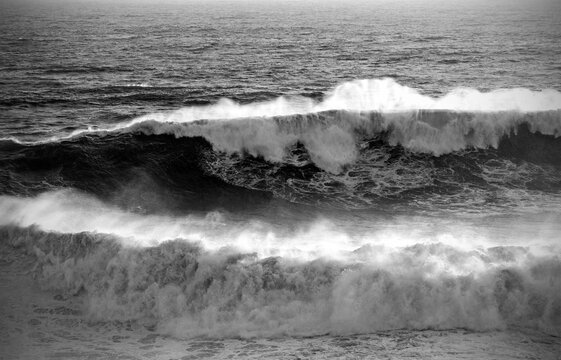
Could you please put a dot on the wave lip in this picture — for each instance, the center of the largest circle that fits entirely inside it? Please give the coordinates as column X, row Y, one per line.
column 386, row 95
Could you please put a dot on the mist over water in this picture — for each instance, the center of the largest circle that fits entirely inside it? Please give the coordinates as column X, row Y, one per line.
column 275, row 173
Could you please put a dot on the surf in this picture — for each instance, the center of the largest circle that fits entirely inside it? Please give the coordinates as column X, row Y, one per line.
column 184, row 288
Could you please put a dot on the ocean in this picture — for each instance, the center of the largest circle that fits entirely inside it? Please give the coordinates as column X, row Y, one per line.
column 280, row 179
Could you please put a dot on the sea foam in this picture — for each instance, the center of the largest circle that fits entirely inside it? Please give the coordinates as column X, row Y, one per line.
column 186, row 290
column 331, row 129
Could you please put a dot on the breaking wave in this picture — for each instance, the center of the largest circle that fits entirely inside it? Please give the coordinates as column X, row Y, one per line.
column 163, row 172
column 331, row 131
column 332, row 139
column 186, row 290
column 301, row 217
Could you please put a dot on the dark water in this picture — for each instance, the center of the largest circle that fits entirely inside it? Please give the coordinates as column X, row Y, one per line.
column 370, row 173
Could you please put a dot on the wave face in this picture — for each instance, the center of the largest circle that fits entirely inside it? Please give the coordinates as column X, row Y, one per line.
column 366, row 140
column 336, row 158
column 331, row 139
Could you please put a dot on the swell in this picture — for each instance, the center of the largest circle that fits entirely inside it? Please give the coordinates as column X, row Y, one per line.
column 186, row 290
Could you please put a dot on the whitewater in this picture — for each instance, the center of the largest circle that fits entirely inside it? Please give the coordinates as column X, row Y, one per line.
column 236, row 270
column 462, row 119
column 280, row 180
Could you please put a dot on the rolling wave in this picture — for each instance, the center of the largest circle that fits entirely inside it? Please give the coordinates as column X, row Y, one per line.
column 366, row 142
column 186, row 290
column 332, row 129
column 367, row 95
column 153, row 172
column 332, row 138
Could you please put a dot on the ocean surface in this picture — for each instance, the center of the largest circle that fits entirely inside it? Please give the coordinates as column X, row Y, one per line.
column 254, row 179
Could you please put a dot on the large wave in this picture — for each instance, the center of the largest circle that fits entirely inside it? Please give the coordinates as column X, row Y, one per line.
column 332, row 139
column 212, row 274
column 331, row 130
column 187, row 290
column 157, row 173
column 366, row 142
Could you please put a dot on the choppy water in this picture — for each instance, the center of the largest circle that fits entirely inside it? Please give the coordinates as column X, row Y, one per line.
column 287, row 179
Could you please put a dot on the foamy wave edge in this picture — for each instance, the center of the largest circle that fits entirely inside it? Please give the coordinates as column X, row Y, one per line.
column 330, row 130
column 187, row 291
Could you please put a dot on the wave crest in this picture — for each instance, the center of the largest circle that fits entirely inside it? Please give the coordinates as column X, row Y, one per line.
column 332, row 138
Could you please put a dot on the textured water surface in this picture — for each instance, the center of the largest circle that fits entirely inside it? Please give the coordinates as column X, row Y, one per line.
column 283, row 180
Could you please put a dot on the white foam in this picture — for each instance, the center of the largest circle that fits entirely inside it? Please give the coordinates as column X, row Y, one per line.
column 268, row 129
column 69, row 211
column 330, row 130
column 407, row 272
column 382, row 95
column 332, row 138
